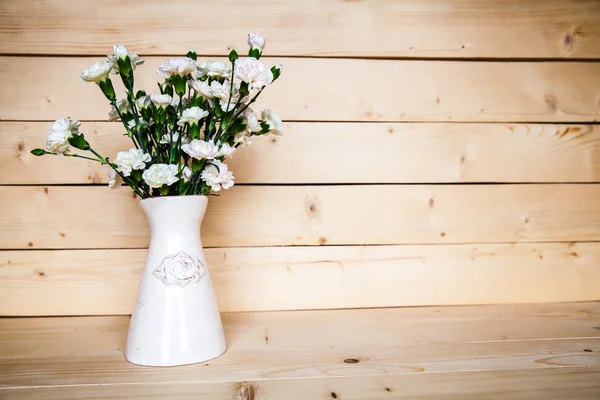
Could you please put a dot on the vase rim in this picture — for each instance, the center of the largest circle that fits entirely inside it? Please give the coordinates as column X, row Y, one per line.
column 147, row 200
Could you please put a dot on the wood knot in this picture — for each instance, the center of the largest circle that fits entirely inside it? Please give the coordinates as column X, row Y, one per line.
column 333, row 395
column 351, row 360
column 40, row 273
column 569, row 41
column 587, row 350
column 62, row 234
column 245, row 391
column 443, row 234
column 388, row 389
column 431, row 203
column 46, row 190
column 30, row 244
column 322, row 240
column 550, row 103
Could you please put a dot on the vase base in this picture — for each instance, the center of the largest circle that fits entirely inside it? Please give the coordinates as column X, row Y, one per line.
column 144, row 362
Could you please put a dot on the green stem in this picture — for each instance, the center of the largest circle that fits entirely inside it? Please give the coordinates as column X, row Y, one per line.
column 114, row 104
column 133, row 105
column 77, row 156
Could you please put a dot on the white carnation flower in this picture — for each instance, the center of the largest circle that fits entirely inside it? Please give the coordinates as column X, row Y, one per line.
column 256, row 41
column 166, row 138
column 97, row 72
column 221, row 92
column 131, row 159
column 57, row 140
column 114, row 179
column 226, row 151
column 199, row 149
column 122, row 52
column 274, row 122
column 217, row 176
column 256, row 74
column 213, row 69
column 161, row 174
column 143, row 102
column 191, row 116
column 123, row 107
column 243, row 138
column 176, row 66
column 202, row 88
column 187, row 173
column 161, row 100
column 251, row 120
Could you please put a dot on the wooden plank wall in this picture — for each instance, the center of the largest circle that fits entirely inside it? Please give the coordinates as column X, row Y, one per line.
column 437, row 152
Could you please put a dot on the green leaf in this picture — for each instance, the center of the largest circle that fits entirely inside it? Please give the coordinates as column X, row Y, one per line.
column 265, row 128
column 164, row 190
column 205, row 189
column 238, row 125
column 192, row 54
column 197, row 165
column 254, row 52
column 276, row 72
column 179, row 83
column 140, row 93
column 168, row 90
column 196, row 101
column 194, row 131
column 79, row 142
column 107, row 88
column 136, row 174
column 244, row 89
column 39, row 152
column 233, row 55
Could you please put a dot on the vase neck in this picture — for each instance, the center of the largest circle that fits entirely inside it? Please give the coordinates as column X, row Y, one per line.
column 174, row 212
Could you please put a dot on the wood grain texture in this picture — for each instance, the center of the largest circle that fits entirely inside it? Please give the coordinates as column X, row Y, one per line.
column 95, row 282
column 95, row 217
column 399, row 152
column 365, row 90
column 573, row 383
column 407, row 28
column 353, row 353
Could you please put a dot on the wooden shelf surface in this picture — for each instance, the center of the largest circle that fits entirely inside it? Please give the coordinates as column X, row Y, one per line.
column 531, row 351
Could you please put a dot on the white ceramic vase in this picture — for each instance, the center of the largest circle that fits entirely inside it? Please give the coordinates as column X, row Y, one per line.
column 176, row 320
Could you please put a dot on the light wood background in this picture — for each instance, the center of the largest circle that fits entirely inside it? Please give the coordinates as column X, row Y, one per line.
column 436, row 152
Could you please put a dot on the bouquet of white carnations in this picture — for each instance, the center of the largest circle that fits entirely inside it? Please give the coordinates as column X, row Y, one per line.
column 183, row 134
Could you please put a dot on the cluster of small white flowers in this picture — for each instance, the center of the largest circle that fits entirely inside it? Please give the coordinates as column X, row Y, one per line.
column 213, row 69
column 176, row 66
column 273, row 121
column 114, row 179
column 161, row 174
column 121, row 52
column 256, row 74
column 217, row 176
column 200, row 149
column 191, row 116
column 57, row 140
column 97, row 72
column 131, row 159
column 217, row 91
column 256, row 41
column 166, row 138
column 221, row 91
column 123, row 107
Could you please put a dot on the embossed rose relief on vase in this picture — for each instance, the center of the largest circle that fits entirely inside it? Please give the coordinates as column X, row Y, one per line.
column 180, row 269
column 182, row 138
